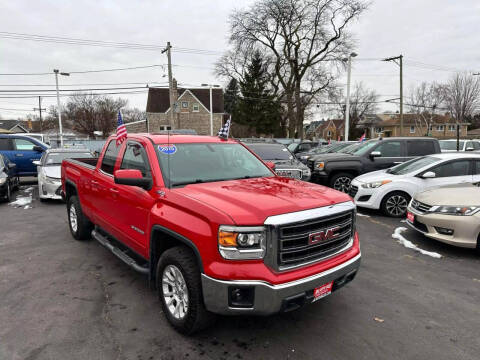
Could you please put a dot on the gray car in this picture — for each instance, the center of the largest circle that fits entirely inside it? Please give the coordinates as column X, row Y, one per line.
column 49, row 170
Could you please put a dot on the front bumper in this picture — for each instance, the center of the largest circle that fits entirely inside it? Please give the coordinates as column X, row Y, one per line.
column 466, row 229
column 50, row 191
column 366, row 198
column 270, row 299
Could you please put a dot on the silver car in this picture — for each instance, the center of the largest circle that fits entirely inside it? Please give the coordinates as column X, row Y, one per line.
column 49, row 170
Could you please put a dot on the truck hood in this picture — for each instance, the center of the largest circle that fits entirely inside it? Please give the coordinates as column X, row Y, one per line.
column 53, row 171
column 289, row 164
column 251, row 201
column 452, row 195
column 334, row 157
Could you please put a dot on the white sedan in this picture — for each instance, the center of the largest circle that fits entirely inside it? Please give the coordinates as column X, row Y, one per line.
column 49, row 170
column 391, row 190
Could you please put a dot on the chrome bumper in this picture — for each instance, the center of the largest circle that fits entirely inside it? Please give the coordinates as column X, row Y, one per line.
column 270, row 299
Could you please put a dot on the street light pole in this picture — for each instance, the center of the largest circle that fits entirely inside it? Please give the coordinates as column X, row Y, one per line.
column 59, row 106
column 210, row 87
column 347, row 107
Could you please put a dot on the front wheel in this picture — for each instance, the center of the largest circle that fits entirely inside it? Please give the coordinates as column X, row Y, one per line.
column 395, row 204
column 341, row 182
column 180, row 291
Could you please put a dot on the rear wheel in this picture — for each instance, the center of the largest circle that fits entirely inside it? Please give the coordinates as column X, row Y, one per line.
column 180, row 291
column 341, row 182
column 80, row 227
column 395, row 204
column 8, row 194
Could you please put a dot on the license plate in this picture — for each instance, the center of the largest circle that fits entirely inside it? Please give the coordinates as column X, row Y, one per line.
column 410, row 217
column 322, row 291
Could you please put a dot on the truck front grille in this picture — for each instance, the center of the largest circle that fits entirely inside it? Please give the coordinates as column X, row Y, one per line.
column 308, row 241
column 311, row 164
column 291, row 173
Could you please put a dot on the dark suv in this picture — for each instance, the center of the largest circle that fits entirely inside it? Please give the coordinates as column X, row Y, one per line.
column 338, row 169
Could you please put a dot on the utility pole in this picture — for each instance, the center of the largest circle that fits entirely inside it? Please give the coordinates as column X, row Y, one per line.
column 210, row 86
column 347, row 108
column 170, row 83
column 59, row 105
column 40, row 110
column 400, row 64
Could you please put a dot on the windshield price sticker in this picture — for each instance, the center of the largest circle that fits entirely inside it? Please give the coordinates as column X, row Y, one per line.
column 167, row 149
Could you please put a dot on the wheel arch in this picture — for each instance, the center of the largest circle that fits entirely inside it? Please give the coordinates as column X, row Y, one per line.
column 70, row 189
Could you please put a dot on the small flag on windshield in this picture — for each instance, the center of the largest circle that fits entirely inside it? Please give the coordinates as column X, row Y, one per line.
column 223, row 132
column 121, row 130
column 362, row 138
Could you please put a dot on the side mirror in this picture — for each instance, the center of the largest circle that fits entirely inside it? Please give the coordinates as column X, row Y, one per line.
column 429, row 175
column 36, row 162
column 469, row 149
column 132, row 177
column 37, row 148
column 375, row 154
column 271, row 165
column 11, row 165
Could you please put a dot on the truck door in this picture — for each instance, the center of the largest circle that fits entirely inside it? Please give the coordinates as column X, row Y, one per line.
column 134, row 203
column 24, row 155
column 391, row 153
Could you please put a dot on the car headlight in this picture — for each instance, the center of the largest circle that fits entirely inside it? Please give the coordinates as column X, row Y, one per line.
column 455, row 210
column 2, row 180
column 50, row 180
column 375, row 184
column 241, row 242
column 320, row 165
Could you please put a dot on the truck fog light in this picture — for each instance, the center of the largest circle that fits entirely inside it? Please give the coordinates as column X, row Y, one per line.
column 241, row 296
column 444, row 231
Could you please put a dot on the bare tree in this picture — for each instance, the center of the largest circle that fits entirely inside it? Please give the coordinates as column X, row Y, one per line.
column 462, row 95
column 423, row 101
column 303, row 40
column 363, row 101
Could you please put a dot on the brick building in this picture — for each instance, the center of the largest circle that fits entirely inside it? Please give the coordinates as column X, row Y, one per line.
column 192, row 110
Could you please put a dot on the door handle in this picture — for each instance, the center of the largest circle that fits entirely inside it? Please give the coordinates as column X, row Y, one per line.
column 19, row 155
column 113, row 190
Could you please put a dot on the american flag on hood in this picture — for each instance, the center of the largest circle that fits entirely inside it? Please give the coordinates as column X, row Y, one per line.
column 121, row 130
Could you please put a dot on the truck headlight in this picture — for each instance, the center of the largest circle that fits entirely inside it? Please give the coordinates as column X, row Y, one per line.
column 241, row 242
column 455, row 210
column 320, row 165
column 375, row 184
column 306, row 172
column 305, row 157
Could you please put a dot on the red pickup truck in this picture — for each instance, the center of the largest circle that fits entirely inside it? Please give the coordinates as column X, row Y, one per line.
column 212, row 225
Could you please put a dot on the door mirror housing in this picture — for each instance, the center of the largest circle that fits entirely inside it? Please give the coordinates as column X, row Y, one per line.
column 11, row 165
column 469, row 149
column 132, row 177
column 36, row 162
column 375, row 154
column 271, row 165
column 429, row 175
column 37, row 148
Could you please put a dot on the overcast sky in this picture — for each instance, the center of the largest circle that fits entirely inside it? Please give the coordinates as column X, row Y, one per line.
column 444, row 33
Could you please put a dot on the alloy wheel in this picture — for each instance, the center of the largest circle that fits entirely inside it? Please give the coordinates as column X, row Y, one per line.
column 342, row 184
column 175, row 292
column 73, row 218
column 396, row 205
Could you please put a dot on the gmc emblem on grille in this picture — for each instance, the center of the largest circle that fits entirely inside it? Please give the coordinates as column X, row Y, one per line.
column 323, row 235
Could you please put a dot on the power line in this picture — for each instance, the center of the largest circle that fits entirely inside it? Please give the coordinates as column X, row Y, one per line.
column 89, row 84
column 85, row 89
column 27, row 96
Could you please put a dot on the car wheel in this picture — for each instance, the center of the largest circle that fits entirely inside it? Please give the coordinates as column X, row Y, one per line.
column 180, row 291
column 8, row 194
column 341, row 182
column 395, row 204
column 80, row 227
column 478, row 244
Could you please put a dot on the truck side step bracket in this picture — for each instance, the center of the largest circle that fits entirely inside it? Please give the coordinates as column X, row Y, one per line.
column 119, row 253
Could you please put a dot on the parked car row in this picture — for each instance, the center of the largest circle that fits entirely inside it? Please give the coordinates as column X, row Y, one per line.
column 8, row 178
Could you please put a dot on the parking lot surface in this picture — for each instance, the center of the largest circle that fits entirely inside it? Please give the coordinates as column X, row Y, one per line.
column 64, row 299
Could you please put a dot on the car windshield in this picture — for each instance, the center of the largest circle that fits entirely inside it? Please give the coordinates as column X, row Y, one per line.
column 292, row 147
column 413, row 165
column 270, row 151
column 450, row 145
column 184, row 164
column 56, row 158
column 363, row 147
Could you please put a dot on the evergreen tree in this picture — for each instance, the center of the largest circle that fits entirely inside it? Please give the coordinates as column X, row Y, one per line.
column 257, row 107
column 231, row 96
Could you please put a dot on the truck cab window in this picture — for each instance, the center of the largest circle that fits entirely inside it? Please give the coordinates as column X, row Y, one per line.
column 110, row 157
column 23, row 144
column 136, row 158
column 5, row 144
column 390, row 149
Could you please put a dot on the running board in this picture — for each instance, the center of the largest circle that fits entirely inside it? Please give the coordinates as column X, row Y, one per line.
column 119, row 253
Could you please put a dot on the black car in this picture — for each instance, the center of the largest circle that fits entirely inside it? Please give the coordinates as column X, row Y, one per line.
column 8, row 178
column 325, row 149
column 302, row 146
column 285, row 163
column 338, row 169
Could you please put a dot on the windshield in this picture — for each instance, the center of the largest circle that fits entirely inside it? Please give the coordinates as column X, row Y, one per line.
column 363, row 147
column 351, row 148
column 184, row 164
column 293, row 146
column 412, row 165
column 270, row 151
column 450, row 145
column 56, row 158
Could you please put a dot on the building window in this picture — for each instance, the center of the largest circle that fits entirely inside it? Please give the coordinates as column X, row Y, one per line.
column 440, row 127
column 379, row 130
column 165, row 127
column 412, row 129
column 196, row 107
column 329, row 133
column 184, row 104
column 452, row 128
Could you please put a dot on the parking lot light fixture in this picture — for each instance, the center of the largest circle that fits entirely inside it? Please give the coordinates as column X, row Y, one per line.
column 59, row 107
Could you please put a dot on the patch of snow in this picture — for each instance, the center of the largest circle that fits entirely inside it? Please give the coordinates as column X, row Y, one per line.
column 404, row 220
column 21, row 201
column 27, row 207
column 364, row 215
column 408, row 244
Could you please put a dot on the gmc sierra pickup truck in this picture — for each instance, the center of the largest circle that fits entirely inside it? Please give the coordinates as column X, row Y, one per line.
column 213, row 227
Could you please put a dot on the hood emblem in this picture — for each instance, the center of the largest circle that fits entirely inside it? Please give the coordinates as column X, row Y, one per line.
column 324, row 235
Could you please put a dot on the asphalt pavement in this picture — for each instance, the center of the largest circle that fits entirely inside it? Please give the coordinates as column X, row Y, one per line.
column 63, row 299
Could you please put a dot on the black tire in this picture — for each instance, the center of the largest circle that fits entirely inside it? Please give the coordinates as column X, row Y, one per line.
column 341, row 182
column 478, row 245
column 83, row 228
column 395, row 204
column 8, row 194
column 196, row 317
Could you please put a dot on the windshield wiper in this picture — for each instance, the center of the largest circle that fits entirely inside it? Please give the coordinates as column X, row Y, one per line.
column 196, row 181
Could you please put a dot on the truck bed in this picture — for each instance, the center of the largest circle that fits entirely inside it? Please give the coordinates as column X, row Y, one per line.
column 89, row 162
